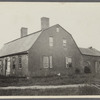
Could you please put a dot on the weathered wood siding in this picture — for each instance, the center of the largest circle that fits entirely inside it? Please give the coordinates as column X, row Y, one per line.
column 91, row 60
column 20, row 72
column 58, row 52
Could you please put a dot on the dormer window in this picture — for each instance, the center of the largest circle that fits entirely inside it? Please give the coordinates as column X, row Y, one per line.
column 50, row 41
column 64, row 42
column 57, row 29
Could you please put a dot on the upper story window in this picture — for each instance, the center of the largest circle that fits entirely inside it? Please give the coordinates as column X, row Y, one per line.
column 57, row 29
column 64, row 42
column 51, row 41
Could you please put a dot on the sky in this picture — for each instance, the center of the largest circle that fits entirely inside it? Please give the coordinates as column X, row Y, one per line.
column 81, row 20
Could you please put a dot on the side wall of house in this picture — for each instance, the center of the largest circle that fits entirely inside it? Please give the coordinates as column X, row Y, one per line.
column 91, row 60
column 58, row 52
column 15, row 70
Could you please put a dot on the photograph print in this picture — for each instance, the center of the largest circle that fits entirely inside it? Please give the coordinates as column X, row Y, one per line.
column 49, row 49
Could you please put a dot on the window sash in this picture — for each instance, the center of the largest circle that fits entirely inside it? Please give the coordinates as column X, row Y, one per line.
column 47, row 62
column 57, row 29
column 13, row 60
column 20, row 61
column 1, row 62
column 68, row 62
column 51, row 41
column 64, row 42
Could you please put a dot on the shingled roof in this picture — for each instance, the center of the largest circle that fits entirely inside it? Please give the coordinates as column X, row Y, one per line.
column 19, row 45
column 90, row 51
column 25, row 43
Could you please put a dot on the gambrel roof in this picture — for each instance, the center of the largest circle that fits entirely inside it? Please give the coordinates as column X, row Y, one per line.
column 23, row 44
column 90, row 51
column 20, row 44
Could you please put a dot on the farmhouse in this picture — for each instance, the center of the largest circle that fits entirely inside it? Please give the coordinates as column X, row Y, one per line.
column 50, row 51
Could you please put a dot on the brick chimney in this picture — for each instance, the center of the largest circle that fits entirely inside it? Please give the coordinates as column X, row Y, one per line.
column 23, row 31
column 44, row 23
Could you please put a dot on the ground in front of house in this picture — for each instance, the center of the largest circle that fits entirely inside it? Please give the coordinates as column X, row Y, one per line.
column 54, row 81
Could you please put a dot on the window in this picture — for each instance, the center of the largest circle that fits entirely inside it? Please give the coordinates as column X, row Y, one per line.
column 45, row 62
column 8, row 63
column 51, row 41
column 20, row 62
column 57, row 29
column 64, row 42
column 68, row 62
column 97, row 66
column 1, row 63
column 13, row 61
column 1, row 66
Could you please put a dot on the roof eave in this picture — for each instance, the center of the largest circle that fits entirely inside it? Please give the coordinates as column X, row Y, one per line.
column 19, row 53
column 90, row 55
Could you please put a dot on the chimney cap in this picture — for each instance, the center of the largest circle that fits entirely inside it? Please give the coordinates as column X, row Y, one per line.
column 44, row 17
column 23, row 27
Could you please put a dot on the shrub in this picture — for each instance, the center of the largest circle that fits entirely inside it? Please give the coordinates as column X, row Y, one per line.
column 77, row 71
column 87, row 69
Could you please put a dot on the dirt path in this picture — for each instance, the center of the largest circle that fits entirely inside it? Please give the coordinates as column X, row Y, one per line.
column 42, row 87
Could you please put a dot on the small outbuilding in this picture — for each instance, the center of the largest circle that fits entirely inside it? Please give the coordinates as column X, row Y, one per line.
column 91, row 60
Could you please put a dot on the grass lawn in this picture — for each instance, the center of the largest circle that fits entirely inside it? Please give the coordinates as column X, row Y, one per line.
column 51, row 80
column 51, row 92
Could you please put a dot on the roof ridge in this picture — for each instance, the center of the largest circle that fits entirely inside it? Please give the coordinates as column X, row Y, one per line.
column 30, row 34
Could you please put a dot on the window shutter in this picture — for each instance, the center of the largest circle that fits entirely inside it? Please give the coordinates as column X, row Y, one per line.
column 51, row 62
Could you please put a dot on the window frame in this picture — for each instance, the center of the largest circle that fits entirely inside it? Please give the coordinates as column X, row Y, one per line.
column 64, row 42
column 45, row 63
column 48, row 63
column 68, row 62
column 14, row 62
column 57, row 29
column 51, row 41
column 20, row 61
column 1, row 65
